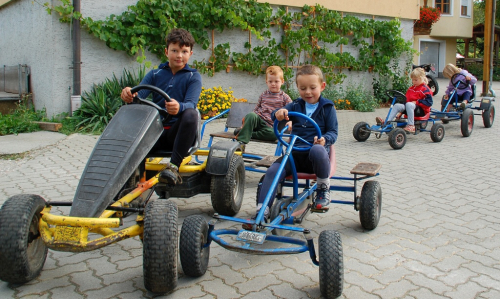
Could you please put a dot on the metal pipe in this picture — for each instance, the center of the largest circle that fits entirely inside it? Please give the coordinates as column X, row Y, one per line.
column 76, row 51
column 490, row 87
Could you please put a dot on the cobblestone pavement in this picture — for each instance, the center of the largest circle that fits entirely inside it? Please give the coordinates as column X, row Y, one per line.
column 438, row 235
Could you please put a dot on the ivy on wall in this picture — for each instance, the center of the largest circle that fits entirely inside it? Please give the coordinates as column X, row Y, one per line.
column 313, row 34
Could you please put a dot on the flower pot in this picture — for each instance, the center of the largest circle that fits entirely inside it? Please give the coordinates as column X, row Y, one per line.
column 421, row 30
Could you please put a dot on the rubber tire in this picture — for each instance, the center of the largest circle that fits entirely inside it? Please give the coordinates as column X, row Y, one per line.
column 358, row 133
column 275, row 211
column 370, row 205
column 160, row 246
column 331, row 264
column 397, row 138
column 437, row 132
column 21, row 259
column 489, row 116
column 227, row 190
column 467, row 122
column 194, row 235
column 433, row 83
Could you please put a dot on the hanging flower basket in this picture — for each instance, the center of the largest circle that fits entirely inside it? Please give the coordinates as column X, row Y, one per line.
column 428, row 16
column 421, row 30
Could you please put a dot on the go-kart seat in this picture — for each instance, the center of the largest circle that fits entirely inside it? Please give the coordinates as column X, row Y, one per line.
column 192, row 150
column 419, row 118
column 312, row 176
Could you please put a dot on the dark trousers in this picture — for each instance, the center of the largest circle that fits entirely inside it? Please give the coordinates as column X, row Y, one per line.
column 180, row 137
column 315, row 161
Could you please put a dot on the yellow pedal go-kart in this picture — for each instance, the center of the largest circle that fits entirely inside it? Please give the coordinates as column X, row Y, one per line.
column 115, row 183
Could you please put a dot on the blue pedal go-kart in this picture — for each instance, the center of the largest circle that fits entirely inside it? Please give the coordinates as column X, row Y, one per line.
column 287, row 211
column 397, row 136
column 452, row 110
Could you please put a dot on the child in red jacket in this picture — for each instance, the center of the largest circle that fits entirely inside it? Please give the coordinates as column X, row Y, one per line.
column 418, row 101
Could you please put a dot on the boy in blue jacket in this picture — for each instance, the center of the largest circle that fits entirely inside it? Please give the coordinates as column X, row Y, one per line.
column 183, row 85
column 310, row 84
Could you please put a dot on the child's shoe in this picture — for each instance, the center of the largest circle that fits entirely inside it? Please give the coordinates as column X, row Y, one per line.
column 322, row 199
column 379, row 121
column 463, row 104
column 409, row 129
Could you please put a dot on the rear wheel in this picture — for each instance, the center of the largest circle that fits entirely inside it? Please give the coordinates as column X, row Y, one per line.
column 22, row 250
column 277, row 207
column 437, row 132
column 397, row 138
column 361, row 131
column 489, row 116
column 160, row 246
column 370, row 204
column 467, row 122
column 194, row 254
column 433, row 85
column 331, row 264
column 227, row 190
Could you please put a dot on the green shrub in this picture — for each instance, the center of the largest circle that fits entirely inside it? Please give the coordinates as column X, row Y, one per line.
column 19, row 121
column 351, row 98
column 100, row 104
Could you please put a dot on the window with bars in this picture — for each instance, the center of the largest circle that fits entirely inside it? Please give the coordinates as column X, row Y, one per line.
column 444, row 6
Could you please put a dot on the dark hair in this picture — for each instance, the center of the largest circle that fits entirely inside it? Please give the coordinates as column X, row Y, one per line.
column 180, row 36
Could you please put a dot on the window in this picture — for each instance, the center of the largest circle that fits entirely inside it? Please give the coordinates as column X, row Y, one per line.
column 444, row 6
column 465, row 8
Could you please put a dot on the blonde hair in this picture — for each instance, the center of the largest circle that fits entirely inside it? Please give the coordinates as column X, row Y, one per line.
column 275, row 70
column 450, row 70
column 419, row 73
column 309, row 69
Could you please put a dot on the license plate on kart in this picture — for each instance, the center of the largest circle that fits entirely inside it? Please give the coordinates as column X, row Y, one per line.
column 249, row 236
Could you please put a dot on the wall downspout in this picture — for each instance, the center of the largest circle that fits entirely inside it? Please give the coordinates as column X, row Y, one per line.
column 76, row 98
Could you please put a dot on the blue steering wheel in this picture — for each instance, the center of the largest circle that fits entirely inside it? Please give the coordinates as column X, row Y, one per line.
column 307, row 120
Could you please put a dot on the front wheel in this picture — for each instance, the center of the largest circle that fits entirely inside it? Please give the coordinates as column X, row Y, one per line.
column 397, row 138
column 437, row 132
column 160, row 246
column 370, row 205
column 227, row 190
column 489, row 116
column 22, row 250
column 331, row 264
column 467, row 122
column 361, row 131
column 194, row 254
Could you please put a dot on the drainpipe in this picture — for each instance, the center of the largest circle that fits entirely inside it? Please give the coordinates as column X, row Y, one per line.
column 490, row 87
column 76, row 98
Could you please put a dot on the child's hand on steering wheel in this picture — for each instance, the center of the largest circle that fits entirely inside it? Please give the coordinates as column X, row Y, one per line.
column 281, row 114
column 320, row 141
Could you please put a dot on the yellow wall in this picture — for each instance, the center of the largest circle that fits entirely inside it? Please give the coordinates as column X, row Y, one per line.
column 454, row 25
column 406, row 9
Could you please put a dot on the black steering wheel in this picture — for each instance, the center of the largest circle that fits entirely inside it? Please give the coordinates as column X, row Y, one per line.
column 461, row 83
column 281, row 134
column 137, row 100
column 400, row 97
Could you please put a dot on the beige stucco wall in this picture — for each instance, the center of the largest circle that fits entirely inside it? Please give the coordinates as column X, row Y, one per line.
column 406, row 9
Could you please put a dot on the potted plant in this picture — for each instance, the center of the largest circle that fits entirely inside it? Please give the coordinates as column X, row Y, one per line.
column 428, row 16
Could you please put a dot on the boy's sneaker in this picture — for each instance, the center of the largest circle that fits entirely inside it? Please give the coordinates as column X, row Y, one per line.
column 242, row 146
column 248, row 226
column 379, row 121
column 322, row 197
column 463, row 104
column 170, row 175
column 236, row 131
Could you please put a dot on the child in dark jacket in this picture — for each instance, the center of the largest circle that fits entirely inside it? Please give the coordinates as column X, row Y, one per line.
column 310, row 84
column 418, row 101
